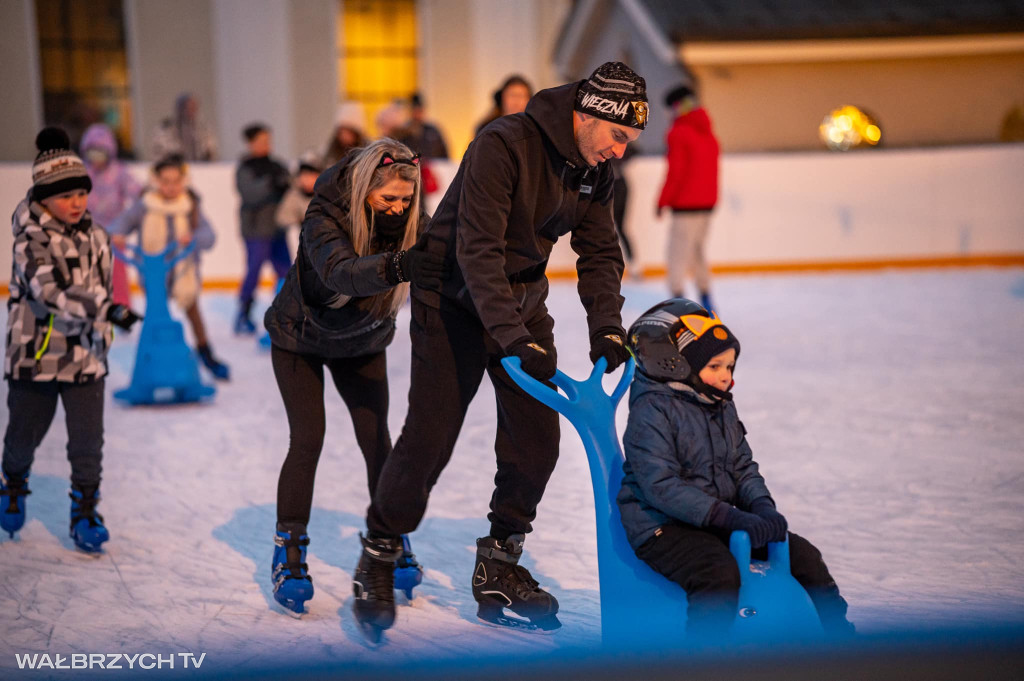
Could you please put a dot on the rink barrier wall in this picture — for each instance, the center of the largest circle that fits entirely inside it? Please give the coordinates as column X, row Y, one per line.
column 777, row 212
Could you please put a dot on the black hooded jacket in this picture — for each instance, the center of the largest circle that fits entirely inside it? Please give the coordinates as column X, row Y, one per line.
column 520, row 186
column 323, row 307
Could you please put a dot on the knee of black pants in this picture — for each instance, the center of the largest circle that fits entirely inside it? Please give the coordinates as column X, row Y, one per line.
column 719, row 580
column 806, row 563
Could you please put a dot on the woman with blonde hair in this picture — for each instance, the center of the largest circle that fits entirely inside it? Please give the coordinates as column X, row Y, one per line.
column 336, row 309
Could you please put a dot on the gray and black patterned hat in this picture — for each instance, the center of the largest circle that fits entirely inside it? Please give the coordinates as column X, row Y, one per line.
column 614, row 92
column 57, row 169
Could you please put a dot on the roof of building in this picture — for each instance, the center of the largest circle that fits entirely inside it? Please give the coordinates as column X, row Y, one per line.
column 741, row 20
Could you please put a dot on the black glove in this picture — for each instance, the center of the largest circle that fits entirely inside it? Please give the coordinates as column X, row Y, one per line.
column 534, row 359
column 727, row 517
column 764, row 507
column 122, row 315
column 419, row 267
column 607, row 343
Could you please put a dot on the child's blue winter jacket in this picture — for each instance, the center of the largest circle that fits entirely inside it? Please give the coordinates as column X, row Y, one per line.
column 681, row 456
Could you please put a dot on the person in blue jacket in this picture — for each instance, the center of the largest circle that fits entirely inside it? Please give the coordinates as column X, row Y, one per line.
column 690, row 476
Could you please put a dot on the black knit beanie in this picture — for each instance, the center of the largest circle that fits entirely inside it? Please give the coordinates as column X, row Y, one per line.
column 57, row 169
column 614, row 92
column 698, row 351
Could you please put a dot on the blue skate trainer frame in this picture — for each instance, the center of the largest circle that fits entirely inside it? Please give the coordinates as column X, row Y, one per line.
column 639, row 607
column 166, row 371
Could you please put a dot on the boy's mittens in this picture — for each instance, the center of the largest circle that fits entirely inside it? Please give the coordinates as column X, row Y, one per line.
column 534, row 359
column 765, row 508
column 607, row 343
column 122, row 315
column 727, row 517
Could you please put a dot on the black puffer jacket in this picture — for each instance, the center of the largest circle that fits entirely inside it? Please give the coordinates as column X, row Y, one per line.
column 520, row 186
column 301, row 318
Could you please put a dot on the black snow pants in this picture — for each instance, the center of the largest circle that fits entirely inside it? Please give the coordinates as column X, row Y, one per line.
column 450, row 353
column 31, row 406
column 699, row 561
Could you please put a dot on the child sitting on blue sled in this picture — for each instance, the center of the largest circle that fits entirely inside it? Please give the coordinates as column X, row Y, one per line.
column 690, row 477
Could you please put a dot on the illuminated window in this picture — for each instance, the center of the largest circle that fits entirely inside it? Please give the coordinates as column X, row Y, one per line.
column 849, row 127
column 84, row 67
column 378, row 49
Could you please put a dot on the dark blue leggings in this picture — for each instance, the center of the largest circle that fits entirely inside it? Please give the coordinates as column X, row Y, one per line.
column 258, row 251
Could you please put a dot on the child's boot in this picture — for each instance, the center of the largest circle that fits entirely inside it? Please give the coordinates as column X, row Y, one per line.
column 500, row 582
column 87, row 529
column 289, row 571
column 219, row 370
column 12, row 503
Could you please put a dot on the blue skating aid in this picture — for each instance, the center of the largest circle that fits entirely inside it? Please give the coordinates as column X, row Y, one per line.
column 772, row 603
column 639, row 607
column 408, row 572
column 166, row 370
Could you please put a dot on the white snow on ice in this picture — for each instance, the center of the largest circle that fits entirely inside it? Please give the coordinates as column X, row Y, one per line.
column 886, row 411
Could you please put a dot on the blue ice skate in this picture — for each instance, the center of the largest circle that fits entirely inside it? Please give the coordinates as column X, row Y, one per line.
column 408, row 572
column 292, row 584
column 166, row 370
column 87, row 529
column 12, row 504
column 639, row 607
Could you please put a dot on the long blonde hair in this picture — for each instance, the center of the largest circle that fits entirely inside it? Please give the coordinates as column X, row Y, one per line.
column 365, row 177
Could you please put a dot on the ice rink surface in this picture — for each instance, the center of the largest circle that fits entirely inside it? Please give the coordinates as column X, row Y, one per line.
column 886, row 410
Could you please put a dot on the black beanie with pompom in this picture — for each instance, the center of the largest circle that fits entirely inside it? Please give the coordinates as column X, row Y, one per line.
column 57, row 169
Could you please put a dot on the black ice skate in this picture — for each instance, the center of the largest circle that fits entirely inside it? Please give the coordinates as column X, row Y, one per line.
column 373, row 585
column 499, row 582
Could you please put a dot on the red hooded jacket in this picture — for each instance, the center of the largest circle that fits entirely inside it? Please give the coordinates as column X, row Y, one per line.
column 692, row 179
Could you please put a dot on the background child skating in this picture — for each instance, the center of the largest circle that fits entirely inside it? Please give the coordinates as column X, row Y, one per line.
column 167, row 211
column 59, row 320
column 690, row 477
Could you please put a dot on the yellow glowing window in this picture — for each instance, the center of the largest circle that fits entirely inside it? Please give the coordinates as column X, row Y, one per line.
column 84, row 67
column 378, row 48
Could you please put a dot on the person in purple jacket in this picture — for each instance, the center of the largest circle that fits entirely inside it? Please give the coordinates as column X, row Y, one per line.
column 113, row 190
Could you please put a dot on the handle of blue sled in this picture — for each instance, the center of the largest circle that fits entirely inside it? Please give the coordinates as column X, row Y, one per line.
column 573, row 389
column 123, row 254
column 778, row 552
column 134, row 258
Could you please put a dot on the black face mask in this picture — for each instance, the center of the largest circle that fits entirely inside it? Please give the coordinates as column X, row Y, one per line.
column 390, row 227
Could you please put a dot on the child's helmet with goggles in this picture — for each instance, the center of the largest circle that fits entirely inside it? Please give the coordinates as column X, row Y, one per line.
column 676, row 338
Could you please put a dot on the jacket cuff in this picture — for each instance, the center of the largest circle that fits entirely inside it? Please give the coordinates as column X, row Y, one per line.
column 718, row 515
column 762, row 503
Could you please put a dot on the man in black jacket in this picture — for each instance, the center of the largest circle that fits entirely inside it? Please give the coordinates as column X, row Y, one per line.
column 526, row 180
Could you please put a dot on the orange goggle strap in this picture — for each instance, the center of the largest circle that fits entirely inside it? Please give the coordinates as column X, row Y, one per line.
column 698, row 324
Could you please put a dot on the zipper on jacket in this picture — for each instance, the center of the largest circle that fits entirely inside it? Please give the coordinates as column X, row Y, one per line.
column 561, row 197
column 46, row 341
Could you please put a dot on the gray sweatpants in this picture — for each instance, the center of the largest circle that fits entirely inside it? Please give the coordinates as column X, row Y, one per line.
column 686, row 237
